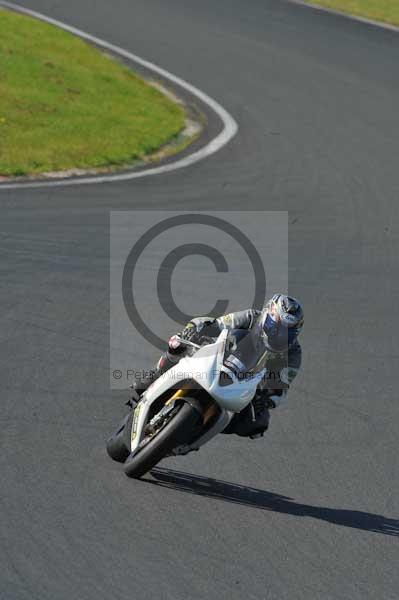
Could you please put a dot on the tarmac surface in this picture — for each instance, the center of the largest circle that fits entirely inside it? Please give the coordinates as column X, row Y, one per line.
column 310, row 511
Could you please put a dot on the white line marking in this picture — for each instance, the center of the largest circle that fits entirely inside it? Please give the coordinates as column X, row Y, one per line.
column 340, row 13
column 230, row 126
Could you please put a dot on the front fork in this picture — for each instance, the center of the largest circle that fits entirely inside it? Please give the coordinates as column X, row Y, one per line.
column 208, row 411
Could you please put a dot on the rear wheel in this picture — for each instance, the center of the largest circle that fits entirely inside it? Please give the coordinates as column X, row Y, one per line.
column 183, row 422
column 117, row 445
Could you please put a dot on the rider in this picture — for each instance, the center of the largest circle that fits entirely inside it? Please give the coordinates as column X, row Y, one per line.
column 279, row 323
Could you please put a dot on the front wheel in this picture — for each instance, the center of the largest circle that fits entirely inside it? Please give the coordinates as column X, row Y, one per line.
column 156, row 446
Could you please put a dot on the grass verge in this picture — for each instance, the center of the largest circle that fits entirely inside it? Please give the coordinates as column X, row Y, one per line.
column 66, row 105
column 386, row 11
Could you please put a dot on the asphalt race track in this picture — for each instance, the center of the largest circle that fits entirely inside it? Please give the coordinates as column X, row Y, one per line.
column 309, row 512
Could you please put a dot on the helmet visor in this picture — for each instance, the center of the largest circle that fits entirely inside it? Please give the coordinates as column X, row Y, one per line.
column 279, row 337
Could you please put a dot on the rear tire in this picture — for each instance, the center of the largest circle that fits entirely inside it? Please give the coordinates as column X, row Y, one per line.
column 176, row 432
column 117, row 447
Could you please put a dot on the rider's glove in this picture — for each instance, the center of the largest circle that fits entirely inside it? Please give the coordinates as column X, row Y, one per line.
column 175, row 346
column 189, row 331
column 198, row 323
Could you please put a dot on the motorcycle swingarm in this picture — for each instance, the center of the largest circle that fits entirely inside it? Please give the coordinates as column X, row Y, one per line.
column 221, row 424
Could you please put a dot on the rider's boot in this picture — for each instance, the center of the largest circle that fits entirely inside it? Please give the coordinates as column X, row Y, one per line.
column 252, row 421
column 260, row 416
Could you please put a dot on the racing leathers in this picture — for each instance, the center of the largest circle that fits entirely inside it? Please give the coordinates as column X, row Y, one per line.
column 281, row 369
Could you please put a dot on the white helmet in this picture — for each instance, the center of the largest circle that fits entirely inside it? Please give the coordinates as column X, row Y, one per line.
column 281, row 321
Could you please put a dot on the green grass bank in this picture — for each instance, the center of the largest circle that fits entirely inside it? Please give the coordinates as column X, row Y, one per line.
column 66, row 105
column 386, row 11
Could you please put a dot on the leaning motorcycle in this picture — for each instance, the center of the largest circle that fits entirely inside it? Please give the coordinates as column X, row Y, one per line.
column 190, row 403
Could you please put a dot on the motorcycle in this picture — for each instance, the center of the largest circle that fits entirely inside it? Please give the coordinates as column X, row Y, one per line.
column 192, row 402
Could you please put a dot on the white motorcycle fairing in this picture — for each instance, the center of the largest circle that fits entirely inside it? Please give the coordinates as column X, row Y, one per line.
column 204, row 368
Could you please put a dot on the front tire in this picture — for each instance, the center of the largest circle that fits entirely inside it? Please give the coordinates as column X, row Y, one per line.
column 117, row 447
column 175, row 432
